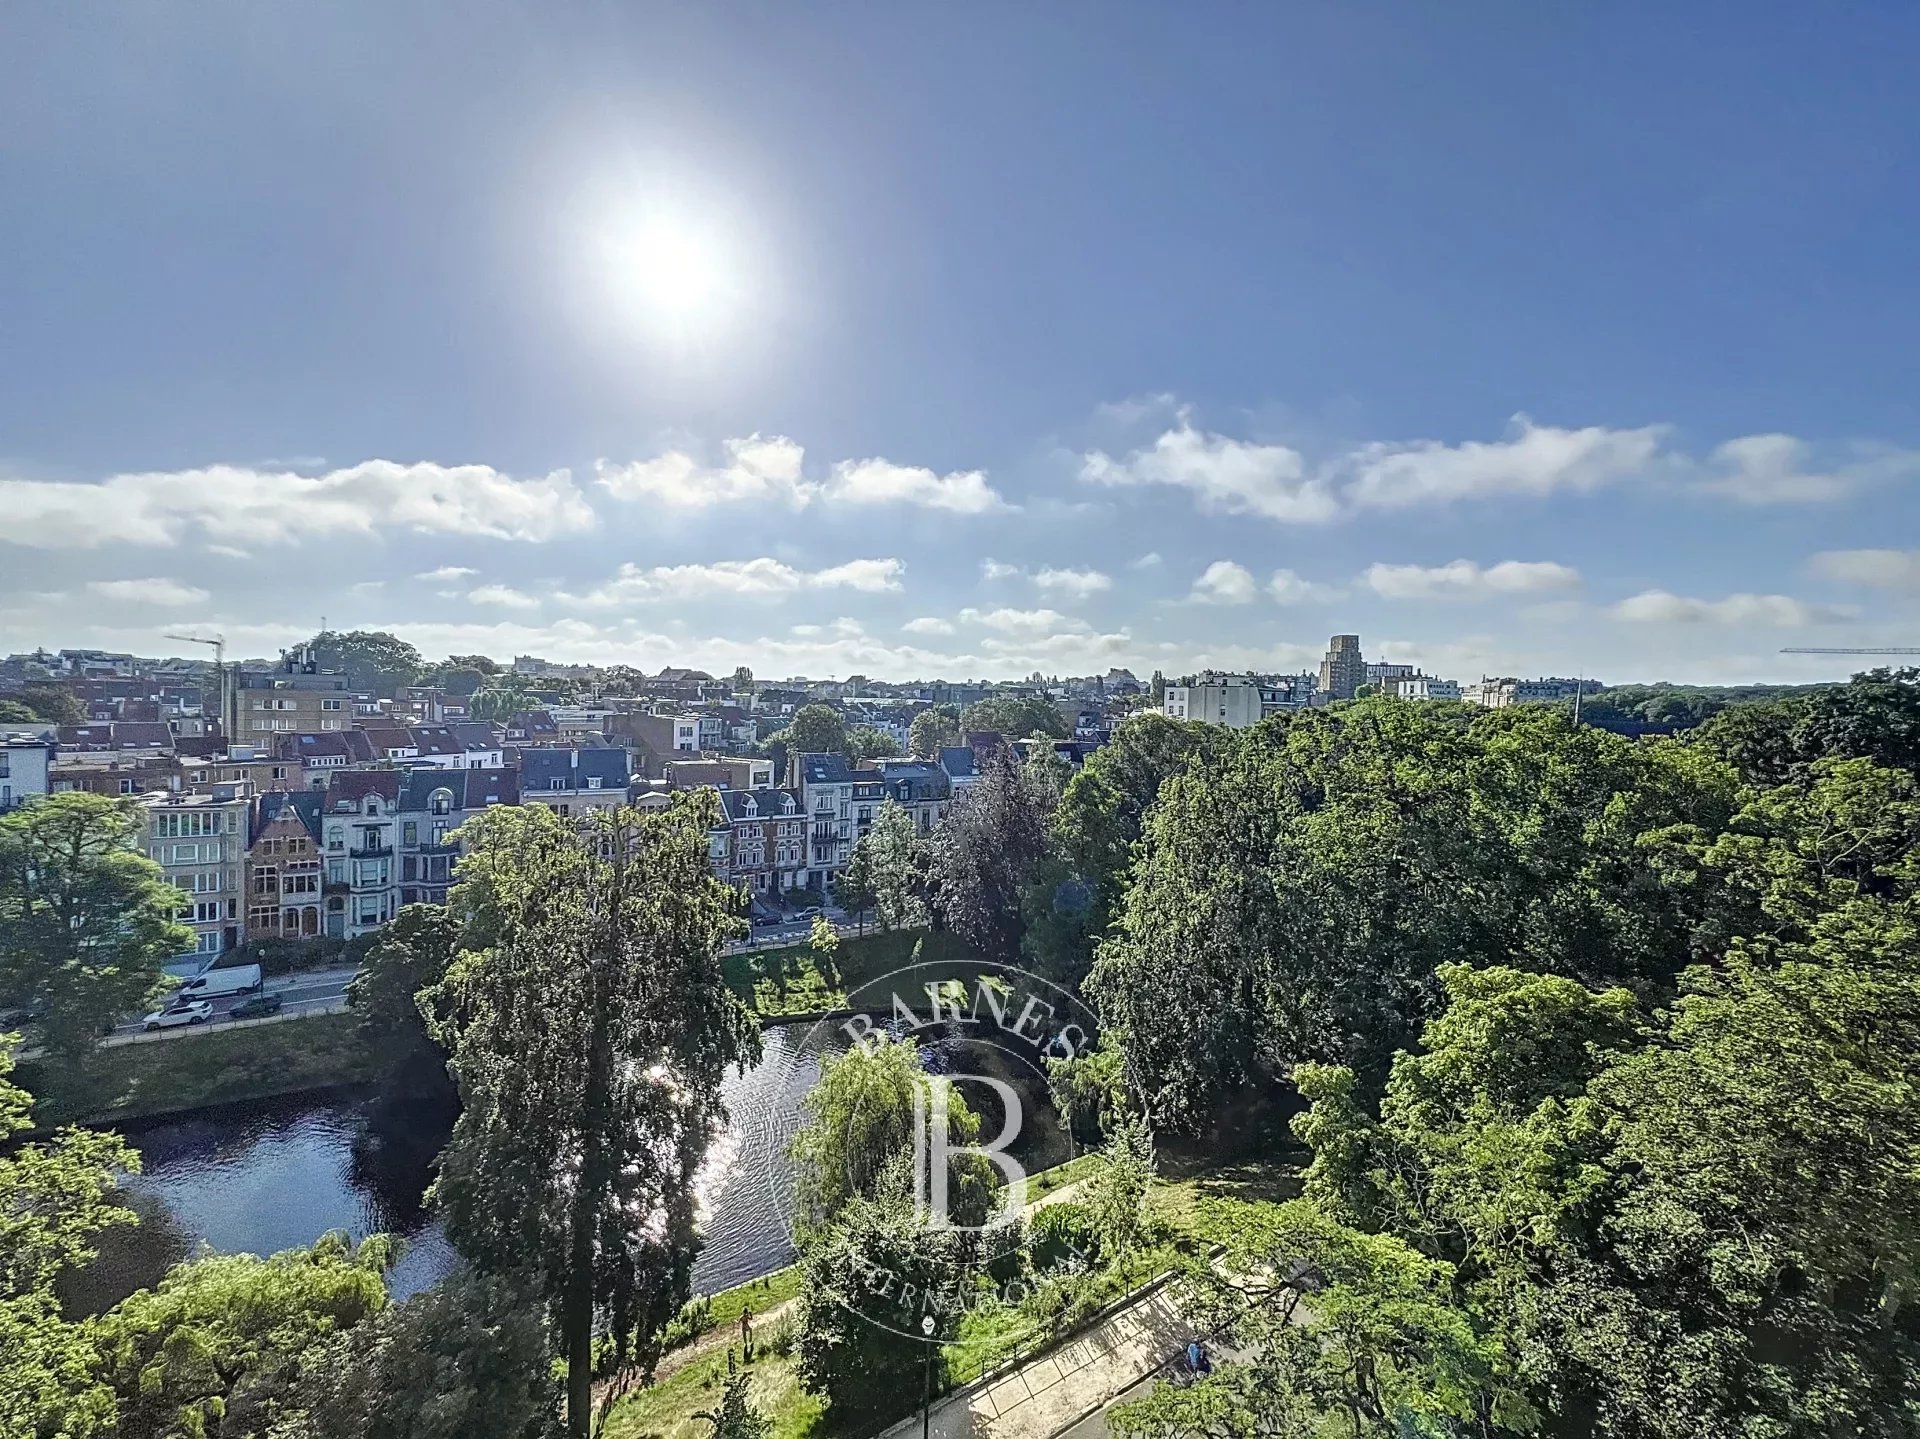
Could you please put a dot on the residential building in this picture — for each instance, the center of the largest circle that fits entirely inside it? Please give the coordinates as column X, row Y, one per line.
column 840, row 802
column 656, row 739
column 323, row 755
column 762, row 844
column 1423, row 687
column 259, row 768
column 1344, row 669
column 1499, row 693
column 920, row 787
column 1383, row 672
column 579, row 722
column 467, row 744
column 284, row 866
column 961, row 766
column 200, row 843
column 357, row 821
column 1237, row 701
column 297, row 697
column 112, row 774
column 730, row 772
column 431, row 807
column 25, row 771
column 151, row 737
column 574, row 781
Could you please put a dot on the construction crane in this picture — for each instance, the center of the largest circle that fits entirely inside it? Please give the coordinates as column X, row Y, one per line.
column 1893, row 650
column 218, row 644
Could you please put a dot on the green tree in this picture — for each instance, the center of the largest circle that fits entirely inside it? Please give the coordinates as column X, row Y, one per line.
column 1347, row 1333
column 55, row 1198
column 501, row 699
column 409, row 959
column 984, row 853
column 1089, row 1090
column 934, row 729
column 86, row 919
column 887, row 853
column 219, row 1347
column 371, row 660
column 1016, row 717
column 736, row 1418
column 824, row 940
column 13, row 712
column 1314, row 877
column 866, row 742
column 467, row 1359
column 589, row 1024
column 742, row 680
column 853, row 885
column 52, row 703
column 870, row 1279
column 816, row 729
column 856, row 1119
column 1115, row 1195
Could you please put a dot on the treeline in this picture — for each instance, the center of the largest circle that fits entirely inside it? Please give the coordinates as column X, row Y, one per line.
column 1609, row 1048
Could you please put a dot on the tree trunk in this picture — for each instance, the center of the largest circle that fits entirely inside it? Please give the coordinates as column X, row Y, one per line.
column 577, row 1324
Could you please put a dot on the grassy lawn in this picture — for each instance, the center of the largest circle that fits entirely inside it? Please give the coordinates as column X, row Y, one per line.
column 1059, row 1176
column 776, row 983
column 214, row 1068
column 669, row 1409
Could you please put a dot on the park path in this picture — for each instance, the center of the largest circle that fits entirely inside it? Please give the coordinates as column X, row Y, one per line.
column 1046, row 1396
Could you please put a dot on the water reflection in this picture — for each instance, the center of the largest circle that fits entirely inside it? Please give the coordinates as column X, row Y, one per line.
column 275, row 1174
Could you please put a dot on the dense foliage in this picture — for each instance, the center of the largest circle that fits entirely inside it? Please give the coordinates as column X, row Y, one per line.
column 86, row 919
column 589, row 1027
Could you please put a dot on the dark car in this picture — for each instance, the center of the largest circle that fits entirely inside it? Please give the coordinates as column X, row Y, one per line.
column 258, row 1007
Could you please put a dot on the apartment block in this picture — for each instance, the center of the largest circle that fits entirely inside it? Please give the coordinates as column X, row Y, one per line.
column 200, row 843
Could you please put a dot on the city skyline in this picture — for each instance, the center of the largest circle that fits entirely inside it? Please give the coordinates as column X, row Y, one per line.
column 828, row 344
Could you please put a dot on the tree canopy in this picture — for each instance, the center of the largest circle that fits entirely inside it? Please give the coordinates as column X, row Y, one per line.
column 1017, row 717
column 372, row 660
column 589, row 1026
column 86, row 919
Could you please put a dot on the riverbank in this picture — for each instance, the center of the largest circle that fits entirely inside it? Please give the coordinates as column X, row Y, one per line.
column 787, row 985
column 219, row 1067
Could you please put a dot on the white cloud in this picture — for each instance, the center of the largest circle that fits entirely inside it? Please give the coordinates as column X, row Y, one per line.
column 881, row 482
column 1226, row 476
column 927, row 625
column 991, row 569
column 1147, row 561
column 1537, row 460
column 149, row 592
column 1224, row 583
column 1660, row 607
column 367, row 587
column 747, row 578
column 1895, row 570
column 1074, row 584
column 231, row 552
column 446, row 573
column 1467, row 580
column 1288, row 588
column 756, row 469
column 228, row 503
column 503, row 595
column 1029, row 624
column 1781, row 470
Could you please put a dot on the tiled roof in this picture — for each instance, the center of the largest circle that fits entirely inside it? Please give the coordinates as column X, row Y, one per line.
column 767, row 803
column 304, row 803
column 352, row 786
column 469, row 788
column 539, row 768
column 958, row 762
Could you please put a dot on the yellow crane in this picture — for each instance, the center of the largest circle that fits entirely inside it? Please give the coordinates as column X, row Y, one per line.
column 218, row 644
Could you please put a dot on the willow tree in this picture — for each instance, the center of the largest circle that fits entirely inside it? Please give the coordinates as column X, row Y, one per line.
column 589, row 1027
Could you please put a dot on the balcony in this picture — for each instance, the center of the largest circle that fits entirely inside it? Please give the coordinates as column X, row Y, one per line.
column 370, row 851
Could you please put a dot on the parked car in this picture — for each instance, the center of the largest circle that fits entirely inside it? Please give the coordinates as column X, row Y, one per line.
column 197, row 1011
column 258, row 1007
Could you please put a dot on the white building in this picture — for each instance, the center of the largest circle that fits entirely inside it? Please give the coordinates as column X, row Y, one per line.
column 1423, row 687
column 1496, row 694
column 24, row 766
column 1238, row 701
column 200, row 843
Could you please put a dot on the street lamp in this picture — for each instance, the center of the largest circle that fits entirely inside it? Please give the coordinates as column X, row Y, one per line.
column 926, row 1390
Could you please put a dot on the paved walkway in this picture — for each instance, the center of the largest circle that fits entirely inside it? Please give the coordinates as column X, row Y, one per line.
column 1041, row 1399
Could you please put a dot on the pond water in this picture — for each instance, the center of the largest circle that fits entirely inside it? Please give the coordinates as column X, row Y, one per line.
column 274, row 1174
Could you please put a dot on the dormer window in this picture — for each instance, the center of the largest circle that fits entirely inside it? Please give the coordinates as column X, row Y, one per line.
column 440, row 801
column 373, row 804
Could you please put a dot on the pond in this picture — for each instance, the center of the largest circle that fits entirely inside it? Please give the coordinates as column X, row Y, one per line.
column 274, row 1174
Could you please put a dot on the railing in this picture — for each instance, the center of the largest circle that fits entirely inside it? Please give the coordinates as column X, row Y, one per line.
column 370, row 851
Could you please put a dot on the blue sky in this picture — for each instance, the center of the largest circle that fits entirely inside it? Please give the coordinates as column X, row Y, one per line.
column 915, row 339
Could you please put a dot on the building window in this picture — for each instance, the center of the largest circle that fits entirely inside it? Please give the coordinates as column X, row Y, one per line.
column 410, row 832
column 330, row 705
column 441, row 801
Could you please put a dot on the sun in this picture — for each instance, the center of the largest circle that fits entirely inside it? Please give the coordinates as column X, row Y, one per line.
column 671, row 268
